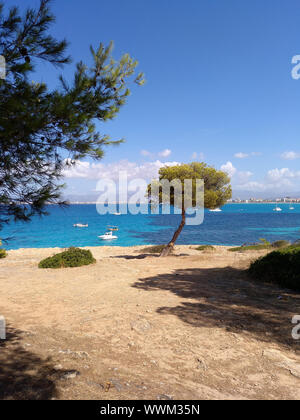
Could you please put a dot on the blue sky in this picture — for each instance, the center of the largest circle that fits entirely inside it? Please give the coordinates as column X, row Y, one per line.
column 219, row 86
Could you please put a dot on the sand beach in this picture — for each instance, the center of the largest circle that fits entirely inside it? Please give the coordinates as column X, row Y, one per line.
column 135, row 326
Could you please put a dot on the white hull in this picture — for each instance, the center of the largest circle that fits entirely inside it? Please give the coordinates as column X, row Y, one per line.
column 107, row 237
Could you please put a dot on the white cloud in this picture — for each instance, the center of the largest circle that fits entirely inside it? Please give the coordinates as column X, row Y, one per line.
column 243, row 176
column 290, row 155
column 229, row 169
column 96, row 171
column 241, row 155
column 240, row 177
column 165, row 153
column 276, row 180
column 280, row 174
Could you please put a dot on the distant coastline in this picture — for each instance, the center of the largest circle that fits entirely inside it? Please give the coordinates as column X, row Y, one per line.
column 294, row 201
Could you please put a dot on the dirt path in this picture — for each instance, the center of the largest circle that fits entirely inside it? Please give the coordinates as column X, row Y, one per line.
column 186, row 327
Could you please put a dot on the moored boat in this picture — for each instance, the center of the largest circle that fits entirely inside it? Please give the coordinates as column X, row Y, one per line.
column 107, row 236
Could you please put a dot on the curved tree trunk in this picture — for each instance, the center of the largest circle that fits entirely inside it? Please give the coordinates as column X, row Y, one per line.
column 169, row 248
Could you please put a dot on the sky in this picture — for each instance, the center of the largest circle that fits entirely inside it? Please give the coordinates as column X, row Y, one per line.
column 219, row 87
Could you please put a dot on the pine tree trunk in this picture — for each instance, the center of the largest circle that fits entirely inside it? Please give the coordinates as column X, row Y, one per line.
column 169, row 248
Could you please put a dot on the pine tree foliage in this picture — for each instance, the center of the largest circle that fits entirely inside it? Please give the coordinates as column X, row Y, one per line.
column 39, row 125
column 217, row 190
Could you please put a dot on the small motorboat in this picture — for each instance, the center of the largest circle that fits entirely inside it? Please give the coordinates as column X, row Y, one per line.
column 113, row 228
column 215, row 210
column 278, row 209
column 107, row 236
column 292, row 208
column 80, row 225
column 117, row 214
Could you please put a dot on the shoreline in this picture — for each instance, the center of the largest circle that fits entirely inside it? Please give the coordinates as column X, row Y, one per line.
column 116, row 247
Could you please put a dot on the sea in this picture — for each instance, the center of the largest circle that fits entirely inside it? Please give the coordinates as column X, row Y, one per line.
column 237, row 224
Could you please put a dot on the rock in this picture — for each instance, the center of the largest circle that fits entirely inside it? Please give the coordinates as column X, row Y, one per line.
column 141, row 325
column 72, row 374
column 283, row 361
column 164, row 397
column 58, row 367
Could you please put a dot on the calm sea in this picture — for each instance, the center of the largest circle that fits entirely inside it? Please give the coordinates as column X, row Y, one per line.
column 235, row 225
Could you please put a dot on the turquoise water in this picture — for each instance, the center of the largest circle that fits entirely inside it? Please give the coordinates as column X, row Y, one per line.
column 236, row 225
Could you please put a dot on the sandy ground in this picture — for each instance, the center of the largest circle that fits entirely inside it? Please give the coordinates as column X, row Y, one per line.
column 190, row 326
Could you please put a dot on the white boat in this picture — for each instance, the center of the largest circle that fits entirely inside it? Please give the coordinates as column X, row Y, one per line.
column 107, row 236
column 292, row 208
column 117, row 214
column 80, row 225
column 215, row 210
column 277, row 209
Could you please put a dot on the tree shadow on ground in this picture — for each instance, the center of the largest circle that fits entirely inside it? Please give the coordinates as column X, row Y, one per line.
column 23, row 374
column 135, row 257
column 143, row 256
column 227, row 298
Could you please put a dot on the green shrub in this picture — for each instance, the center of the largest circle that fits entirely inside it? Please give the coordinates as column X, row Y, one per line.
column 156, row 249
column 3, row 253
column 280, row 244
column 73, row 257
column 280, row 267
column 206, row 248
column 261, row 245
column 258, row 247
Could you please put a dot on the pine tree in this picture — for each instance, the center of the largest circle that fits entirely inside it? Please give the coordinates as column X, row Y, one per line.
column 217, row 190
column 38, row 124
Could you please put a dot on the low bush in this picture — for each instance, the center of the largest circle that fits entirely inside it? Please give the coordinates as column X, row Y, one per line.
column 280, row 244
column 2, row 253
column 260, row 246
column 281, row 267
column 73, row 257
column 244, row 248
column 206, row 248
